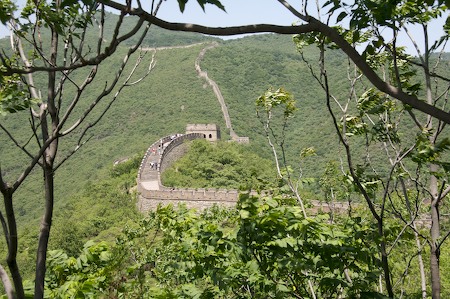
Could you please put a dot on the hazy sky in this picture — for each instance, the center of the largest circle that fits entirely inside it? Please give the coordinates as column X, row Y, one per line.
column 238, row 12
column 244, row 12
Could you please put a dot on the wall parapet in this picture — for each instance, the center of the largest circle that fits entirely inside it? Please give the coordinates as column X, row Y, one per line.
column 175, row 141
column 193, row 198
column 172, row 149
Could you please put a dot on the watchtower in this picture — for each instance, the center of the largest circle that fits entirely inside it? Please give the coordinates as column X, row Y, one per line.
column 211, row 132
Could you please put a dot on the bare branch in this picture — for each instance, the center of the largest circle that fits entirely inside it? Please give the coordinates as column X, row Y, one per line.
column 313, row 25
column 33, row 163
column 30, row 80
column 445, row 192
column 5, row 228
column 443, row 239
column 72, row 152
column 16, row 143
column 80, row 143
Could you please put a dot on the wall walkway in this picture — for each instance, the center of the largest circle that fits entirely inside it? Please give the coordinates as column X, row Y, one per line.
column 159, row 156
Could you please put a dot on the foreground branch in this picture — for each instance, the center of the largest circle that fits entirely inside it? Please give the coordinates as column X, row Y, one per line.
column 313, row 25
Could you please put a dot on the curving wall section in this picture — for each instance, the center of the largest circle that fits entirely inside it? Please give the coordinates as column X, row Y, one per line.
column 152, row 192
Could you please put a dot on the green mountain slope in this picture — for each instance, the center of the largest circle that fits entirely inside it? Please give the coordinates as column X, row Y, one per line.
column 172, row 95
column 162, row 104
column 246, row 68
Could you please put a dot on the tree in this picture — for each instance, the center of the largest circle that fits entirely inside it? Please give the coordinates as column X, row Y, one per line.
column 52, row 42
column 354, row 14
column 362, row 24
column 366, row 19
column 264, row 249
column 58, row 108
column 415, row 172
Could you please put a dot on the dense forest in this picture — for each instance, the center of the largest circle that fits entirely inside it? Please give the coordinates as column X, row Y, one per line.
column 318, row 132
column 173, row 93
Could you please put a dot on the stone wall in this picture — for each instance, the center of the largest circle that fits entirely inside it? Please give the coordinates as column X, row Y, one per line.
column 196, row 198
column 176, row 149
column 193, row 198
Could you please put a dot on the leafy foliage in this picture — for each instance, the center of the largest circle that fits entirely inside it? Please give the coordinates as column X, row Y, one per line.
column 265, row 249
column 6, row 11
column 13, row 96
column 268, row 229
column 182, row 4
column 81, row 277
column 222, row 165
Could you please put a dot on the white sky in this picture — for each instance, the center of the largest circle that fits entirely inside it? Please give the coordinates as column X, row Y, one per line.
column 238, row 12
column 245, row 12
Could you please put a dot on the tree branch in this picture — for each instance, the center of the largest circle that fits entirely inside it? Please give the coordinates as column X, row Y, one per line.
column 16, row 143
column 313, row 25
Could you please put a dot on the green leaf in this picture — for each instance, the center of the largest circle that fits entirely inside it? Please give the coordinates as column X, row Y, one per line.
column 283, row 288
column 217, row 3
column 341, row 16
column 244, row 214
column 182, row 4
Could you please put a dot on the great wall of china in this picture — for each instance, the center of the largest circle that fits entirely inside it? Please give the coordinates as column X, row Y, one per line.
column 170, row 148
column 161, row 154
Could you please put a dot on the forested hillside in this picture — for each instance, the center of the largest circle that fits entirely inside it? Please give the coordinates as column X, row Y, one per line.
column 317, row 130
column 246, row 68
column 172, row 95
column 169, row 98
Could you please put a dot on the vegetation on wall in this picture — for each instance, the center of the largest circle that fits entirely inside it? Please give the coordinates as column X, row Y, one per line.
column 225, row 165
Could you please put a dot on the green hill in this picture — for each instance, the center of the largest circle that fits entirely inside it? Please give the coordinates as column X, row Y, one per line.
column 172, row 95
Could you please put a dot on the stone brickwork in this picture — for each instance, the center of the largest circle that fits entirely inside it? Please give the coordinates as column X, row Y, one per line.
column 193, row 198
column 174, row 147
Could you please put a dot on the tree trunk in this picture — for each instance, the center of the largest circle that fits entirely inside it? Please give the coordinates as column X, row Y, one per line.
column 47, row 167
column 434, row 252
column 44, row 233
column 385, row 261
column 435, row 234
column 412, row 215
column 12, row 244
column 421, row 265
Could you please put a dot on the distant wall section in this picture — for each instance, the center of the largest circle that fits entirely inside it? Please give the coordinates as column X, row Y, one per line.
column 174, row 147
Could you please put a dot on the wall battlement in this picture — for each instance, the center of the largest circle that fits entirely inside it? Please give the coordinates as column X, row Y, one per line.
column 152, row 192
column 172, row 148
column 193, row 198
